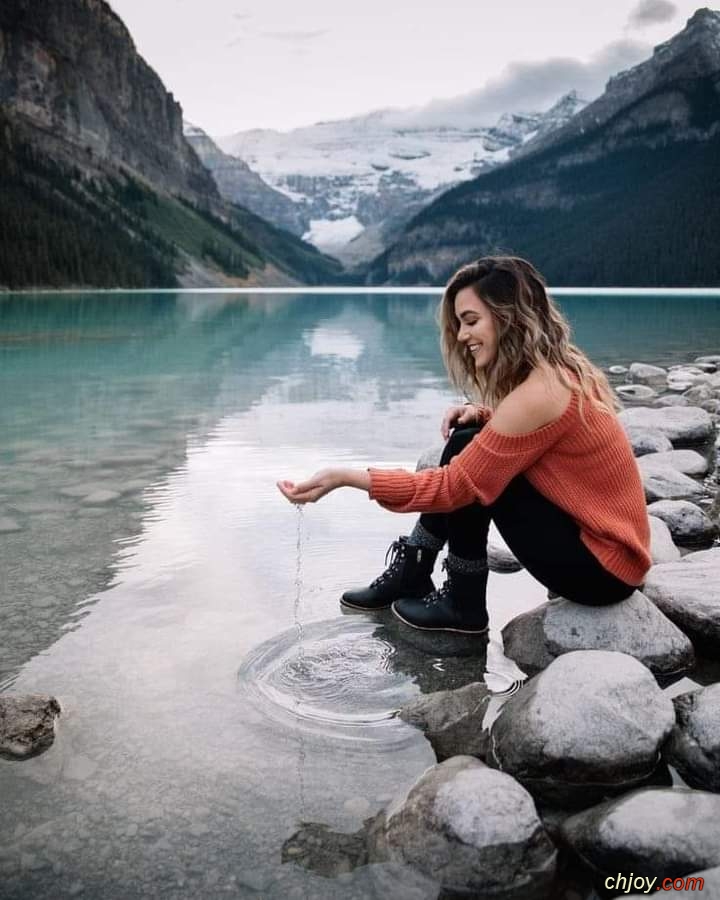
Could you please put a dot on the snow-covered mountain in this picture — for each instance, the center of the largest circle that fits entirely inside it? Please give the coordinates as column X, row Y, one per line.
column 359, row 180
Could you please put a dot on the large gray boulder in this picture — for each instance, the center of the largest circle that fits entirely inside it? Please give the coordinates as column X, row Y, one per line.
column 27, row 724
column 643, row 373
column 656, row 832
column 590, row 725
column 635, row 626
column 689, row 462
column 688, row 592
column 647, row 440
column 452, row 720
column 662, row 547
column 694, row 745
column 473, row 829
column 681, row 424
column 663, row 482
column 688, row 524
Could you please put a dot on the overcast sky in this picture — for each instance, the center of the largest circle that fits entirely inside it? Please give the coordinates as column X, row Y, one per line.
column 239, row 64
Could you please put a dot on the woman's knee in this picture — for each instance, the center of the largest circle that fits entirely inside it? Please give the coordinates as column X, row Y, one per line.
column 457, row 441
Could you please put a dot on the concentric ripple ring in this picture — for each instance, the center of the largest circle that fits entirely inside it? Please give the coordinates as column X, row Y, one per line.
column 338, row 679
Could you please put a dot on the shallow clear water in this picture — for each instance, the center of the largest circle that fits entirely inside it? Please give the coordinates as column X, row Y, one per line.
column 185, row 615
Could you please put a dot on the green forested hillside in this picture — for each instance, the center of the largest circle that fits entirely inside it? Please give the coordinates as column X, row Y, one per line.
column 61, row 228
column 617, row 206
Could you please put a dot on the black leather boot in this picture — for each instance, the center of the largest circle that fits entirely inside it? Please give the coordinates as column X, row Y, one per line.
column 408, row 575
column 459, row 605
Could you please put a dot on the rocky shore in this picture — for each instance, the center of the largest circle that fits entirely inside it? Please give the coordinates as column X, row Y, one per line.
column 592, row 763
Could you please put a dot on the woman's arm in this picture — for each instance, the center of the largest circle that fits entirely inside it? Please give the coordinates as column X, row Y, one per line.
column 322, row 483
column 529, row 407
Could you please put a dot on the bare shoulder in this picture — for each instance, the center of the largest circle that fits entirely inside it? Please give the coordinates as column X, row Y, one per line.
column 539, row 400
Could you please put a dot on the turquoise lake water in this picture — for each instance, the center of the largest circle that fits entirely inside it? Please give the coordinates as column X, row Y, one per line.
column 185, row 615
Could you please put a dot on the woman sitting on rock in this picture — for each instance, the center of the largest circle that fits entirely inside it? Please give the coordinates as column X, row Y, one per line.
column 545, row 458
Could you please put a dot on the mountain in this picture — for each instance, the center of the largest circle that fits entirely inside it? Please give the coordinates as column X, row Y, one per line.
column 237, row 182
column 625, row 193
column 358, row 181
column 98, row 185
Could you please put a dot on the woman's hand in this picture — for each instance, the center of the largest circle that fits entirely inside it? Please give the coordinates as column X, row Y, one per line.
column 314, row 488
column 458, row 415
column 322, row 483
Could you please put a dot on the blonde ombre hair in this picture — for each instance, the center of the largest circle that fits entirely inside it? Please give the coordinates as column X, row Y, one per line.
column 531, row 332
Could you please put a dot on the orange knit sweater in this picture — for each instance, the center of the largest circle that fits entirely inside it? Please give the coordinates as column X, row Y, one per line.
column 586, row 468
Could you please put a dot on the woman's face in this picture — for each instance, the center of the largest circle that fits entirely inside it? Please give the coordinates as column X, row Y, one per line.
column 476, row 327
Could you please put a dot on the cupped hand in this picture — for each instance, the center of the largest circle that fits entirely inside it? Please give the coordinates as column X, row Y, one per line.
column 313, row 489
column 457, row 415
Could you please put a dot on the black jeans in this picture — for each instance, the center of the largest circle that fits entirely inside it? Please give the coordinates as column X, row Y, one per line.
column 544, row 538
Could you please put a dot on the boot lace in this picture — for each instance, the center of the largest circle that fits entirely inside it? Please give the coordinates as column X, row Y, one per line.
column 396, row 553
column 440, row 593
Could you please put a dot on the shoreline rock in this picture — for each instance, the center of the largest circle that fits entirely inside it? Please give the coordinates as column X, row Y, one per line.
column 635, row 627
column 27, row 724
column 590, row 725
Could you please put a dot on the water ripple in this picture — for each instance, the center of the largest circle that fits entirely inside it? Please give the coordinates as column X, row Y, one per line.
column 339, row 681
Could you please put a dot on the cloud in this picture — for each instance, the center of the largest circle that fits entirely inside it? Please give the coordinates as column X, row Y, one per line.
column 651, row 12
column 526, row 87
column 295, row 36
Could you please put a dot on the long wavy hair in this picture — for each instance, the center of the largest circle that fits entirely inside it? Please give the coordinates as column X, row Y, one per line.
column 531, row 331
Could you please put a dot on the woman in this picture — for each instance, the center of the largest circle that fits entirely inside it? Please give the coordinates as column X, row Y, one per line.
column 545, row 458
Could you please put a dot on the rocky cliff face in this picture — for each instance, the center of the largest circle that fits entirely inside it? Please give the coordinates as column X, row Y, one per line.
column 650, row 94
column 98, row 185
column 238, row 183
column 70, row 76
column 623, row 194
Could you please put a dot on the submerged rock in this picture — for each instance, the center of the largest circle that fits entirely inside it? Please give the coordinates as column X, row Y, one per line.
column 688, row 524
column 27, row 724
column 688, row 592
column 590, row 725
column 694, row 745
column 474, row 829
column 634, row 626
column 681, row 424
column 663, row 832
column 452, row 720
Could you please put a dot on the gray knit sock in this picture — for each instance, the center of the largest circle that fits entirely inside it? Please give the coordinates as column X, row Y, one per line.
column 421, row 537
column 466, row 566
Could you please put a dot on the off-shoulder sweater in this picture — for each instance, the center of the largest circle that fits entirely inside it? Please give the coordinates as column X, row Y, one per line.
column 586, row 468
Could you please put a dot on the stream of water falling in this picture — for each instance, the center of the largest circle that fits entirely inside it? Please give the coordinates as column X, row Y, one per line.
column 297, row 619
